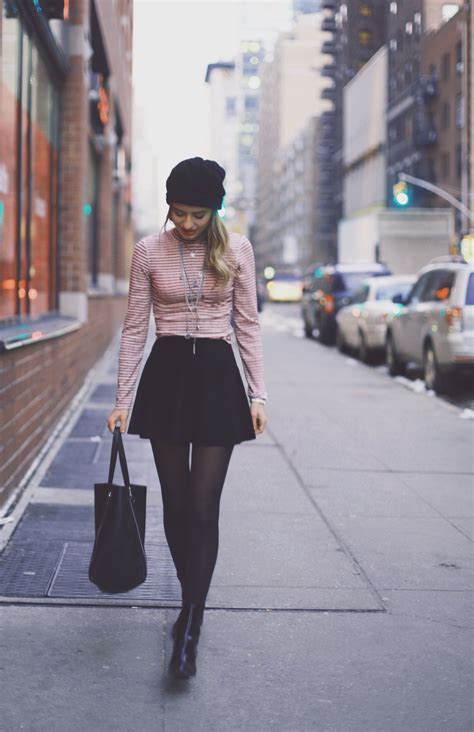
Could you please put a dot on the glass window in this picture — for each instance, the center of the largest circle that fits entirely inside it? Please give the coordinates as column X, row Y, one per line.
column 445, row 66
column 470, row 290
column 361, row 294
column 438, row 286
column 418, row 288
column 9, row 69
column 28, row 174
column 42, row 269
column 446, row 114
column 230, row 106
column 459, row 111
column 388, row 292
column 365, row 10
column 365, row 37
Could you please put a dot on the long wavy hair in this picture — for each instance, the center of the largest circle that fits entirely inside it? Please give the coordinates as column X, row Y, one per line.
column 217, row 249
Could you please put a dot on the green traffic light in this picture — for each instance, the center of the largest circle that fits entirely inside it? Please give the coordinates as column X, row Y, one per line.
column 400, row 194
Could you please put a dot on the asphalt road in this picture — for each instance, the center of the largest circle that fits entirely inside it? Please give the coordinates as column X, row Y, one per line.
column 342, row 595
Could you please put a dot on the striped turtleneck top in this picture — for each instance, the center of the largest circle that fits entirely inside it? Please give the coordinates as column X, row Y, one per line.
column 156, row 282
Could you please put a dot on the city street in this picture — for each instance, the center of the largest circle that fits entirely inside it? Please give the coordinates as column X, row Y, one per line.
column 342, row 595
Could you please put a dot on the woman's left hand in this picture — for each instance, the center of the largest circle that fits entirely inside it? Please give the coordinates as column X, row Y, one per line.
column 259, row 417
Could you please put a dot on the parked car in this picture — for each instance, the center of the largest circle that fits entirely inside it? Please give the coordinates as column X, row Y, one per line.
column 327, row 289
column 435, row 327
column 285, row 288
column 362, row 325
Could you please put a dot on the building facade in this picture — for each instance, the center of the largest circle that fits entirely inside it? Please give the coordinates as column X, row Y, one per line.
column 356, row 30
column 411, row 119
column 444, row 59
column 291, row 95
column 65, row 213
column 364, row 142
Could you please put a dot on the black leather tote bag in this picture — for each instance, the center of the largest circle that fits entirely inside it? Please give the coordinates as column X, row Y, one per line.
column 118, row 562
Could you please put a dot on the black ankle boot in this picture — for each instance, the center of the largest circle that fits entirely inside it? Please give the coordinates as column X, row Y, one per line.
column 186, row 636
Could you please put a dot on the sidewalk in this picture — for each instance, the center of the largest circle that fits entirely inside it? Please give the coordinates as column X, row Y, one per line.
column 341, row 595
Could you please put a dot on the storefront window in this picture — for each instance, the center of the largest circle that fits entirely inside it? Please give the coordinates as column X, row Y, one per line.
column 42, row 273
column 28, row 164
column 9, row 69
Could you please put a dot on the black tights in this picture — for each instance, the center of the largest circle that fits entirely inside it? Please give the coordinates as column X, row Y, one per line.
column 191, row 499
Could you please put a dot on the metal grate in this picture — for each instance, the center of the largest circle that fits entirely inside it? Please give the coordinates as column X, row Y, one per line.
column 54, row 522
column 72, row 581
column 26, row 570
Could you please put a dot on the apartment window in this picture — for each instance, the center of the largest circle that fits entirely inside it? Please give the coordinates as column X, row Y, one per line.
column 459, row 111
column 365, row 10
column 393, row 8
column 445, row 66
column 409, row 28
column 230, row 106
column 459, row 161
column 459, row 58
column 365, row 37
column 445, row 165
column 393, row 44
column 446, row 115
column 400, row 40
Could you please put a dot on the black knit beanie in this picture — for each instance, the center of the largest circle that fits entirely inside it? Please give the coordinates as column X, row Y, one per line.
column 196, row 182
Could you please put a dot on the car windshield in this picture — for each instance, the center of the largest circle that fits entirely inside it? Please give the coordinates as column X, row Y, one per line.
column 350, row 281
column 388, row 291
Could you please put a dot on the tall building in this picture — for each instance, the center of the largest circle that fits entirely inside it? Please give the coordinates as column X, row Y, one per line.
column 445, row 158
column 234, row 99
column 355, row 29
column 292, row 84
column 65, row 208
column 413, row 85
column 224, row 92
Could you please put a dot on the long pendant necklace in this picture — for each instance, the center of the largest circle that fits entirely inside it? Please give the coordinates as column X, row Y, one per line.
column 192, row 295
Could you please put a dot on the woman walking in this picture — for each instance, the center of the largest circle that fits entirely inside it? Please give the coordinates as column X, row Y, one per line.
column 195, row 276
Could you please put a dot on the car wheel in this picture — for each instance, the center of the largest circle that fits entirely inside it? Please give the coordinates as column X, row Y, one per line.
column 365, row 354
column 434, row 379
column 396, row 367
column 340, row 342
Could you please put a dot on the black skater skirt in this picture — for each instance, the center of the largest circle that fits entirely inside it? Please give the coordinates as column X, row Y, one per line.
column 199, row 398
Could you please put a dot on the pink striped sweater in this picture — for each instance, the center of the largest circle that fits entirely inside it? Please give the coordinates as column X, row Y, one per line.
column 155, row 281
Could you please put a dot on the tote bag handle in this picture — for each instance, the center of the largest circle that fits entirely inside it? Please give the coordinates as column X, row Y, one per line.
column 117, row 447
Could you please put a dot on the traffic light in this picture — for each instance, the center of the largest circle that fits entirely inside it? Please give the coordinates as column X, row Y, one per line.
column 401, row 194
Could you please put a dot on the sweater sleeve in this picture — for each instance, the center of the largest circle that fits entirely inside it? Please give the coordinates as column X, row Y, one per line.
column 246, row 322
column 135, row 326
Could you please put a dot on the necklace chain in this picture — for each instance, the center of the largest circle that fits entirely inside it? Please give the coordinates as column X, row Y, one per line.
column 192, row 294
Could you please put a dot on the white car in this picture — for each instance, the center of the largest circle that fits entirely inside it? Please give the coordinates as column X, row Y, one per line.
column 434, row 328
column 362, row 325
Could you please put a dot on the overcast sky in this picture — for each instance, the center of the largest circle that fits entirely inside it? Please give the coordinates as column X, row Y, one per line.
column 173, row 44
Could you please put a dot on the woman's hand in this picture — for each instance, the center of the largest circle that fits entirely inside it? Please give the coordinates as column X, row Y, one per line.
column 259, row 417
column 117, row 415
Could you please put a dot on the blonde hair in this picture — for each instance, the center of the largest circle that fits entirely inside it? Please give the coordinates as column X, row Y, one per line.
column 218, row 247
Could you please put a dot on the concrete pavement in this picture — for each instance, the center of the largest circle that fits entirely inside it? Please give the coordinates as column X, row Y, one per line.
column 342, row 596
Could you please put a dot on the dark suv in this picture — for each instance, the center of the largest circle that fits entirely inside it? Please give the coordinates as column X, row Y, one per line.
column 327, row 289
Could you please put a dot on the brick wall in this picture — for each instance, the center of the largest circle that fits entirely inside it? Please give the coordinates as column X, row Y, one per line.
column 36, row 393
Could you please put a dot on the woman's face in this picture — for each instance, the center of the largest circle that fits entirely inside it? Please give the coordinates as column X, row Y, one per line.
column 191, row 221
